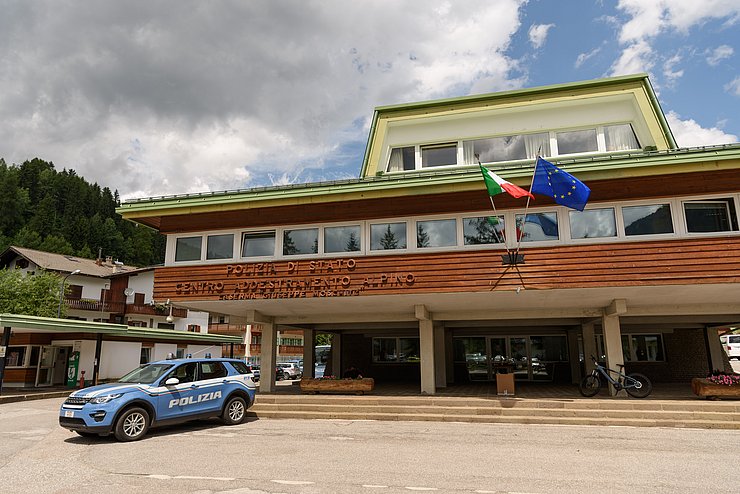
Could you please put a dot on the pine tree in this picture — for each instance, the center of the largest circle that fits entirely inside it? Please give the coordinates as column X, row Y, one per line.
column 422, row 237
column 352, row 244
column 389, row 240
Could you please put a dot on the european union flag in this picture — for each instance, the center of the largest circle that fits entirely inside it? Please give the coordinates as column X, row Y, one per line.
column 564, row 188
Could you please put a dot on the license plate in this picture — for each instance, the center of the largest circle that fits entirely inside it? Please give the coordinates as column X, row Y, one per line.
column 69, row 414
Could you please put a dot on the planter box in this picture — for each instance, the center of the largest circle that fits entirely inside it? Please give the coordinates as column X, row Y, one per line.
column 702, row 387
column 341, row 386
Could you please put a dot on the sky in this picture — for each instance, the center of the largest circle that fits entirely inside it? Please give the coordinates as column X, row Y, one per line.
column 155, row 98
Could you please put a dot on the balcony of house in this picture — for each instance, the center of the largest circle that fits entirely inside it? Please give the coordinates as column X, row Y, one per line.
column 155, row 310
column 290, row 350
column 94, row 305
column 227, row 329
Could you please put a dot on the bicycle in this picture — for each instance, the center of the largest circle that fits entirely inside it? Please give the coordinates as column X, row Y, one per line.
column 635, row 384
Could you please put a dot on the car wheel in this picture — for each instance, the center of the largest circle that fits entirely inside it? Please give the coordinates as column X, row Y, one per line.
column 235, row 411
column 132, row 424
column 287, row 376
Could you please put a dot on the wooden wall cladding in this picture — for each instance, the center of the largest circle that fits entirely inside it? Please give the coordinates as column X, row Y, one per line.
column 715, row 260
column 20, row 375
column 451, row 203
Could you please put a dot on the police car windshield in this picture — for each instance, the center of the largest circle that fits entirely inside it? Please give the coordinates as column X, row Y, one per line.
column 146, row 374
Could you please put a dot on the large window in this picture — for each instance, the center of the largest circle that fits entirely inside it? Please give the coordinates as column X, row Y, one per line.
column 578, row 141
column 507, row 148
column 647, row 220
column 710, row 216
column 439, row 155
column 402, row 159
column 386, row 350
column 620, row 138
column 188, row 249
column 537, row 227
column 637, row 347
column 220, row 246
column 436, row 233
column 15, row 356
column 388, row 236
column 297, row 242
column 593, row 223
column 342, row 239
column 483, row 230
column 258, row 244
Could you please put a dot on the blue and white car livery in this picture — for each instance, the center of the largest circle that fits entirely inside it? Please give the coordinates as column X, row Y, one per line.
column 159, row 393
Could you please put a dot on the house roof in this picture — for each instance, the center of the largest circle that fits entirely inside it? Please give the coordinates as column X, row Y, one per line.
column 67, row 264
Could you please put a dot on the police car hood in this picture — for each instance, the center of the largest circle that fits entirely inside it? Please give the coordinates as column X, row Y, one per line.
column 107, row 389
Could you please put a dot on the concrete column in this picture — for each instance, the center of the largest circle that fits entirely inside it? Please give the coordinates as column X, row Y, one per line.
column 589, row 345
column 440, row 371
column 309, row 353
column 268, row 357
column 716, row 352
column 336, row 355
column 575, row 365
column 426, row 340
column 612, row 344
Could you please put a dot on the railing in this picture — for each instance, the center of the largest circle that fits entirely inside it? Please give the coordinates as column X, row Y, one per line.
column 290, row 349
column 227, row 329
column 94, row 305
column 155, row 311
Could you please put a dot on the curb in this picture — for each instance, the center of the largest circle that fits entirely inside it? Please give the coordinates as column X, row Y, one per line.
column 33, row 396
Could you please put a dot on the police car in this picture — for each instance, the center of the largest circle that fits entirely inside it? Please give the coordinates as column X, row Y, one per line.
column 161, row 393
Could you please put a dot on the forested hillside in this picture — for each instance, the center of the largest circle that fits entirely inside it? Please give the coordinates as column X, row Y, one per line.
column 59, row 211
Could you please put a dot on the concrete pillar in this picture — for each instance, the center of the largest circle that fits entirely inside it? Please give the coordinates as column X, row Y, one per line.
column 575, row 365
column 440, row 371
column 268, row 357
column 716, row 352
column 589, row 346
column 309, row 353
column 336, row 355
column 612, row 344
column 426, row 341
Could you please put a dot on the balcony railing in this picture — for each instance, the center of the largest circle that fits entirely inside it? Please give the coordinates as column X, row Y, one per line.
column 94, row 305
column 228, row 329
column 150, row 310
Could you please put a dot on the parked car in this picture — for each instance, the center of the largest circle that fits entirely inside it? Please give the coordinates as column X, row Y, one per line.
column 291, row 370
column 255, row 372
column 167, row 391
column 731, row 344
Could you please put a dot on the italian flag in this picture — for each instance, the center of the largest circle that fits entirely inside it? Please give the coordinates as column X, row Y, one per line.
column 497, row 185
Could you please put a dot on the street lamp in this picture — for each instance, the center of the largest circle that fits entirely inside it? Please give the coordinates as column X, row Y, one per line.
column 61, row 292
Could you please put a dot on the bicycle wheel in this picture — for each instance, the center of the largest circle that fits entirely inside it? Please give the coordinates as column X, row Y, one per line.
column 638, row 385
column 590, row 385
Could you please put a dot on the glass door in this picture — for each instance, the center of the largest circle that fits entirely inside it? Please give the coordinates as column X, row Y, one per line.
column 519, row 356
column 45, row 367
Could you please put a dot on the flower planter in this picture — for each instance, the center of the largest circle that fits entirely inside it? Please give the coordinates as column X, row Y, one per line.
column 707, row 389
column 339, row 386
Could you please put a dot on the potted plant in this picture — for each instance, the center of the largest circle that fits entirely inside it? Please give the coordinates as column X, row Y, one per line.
column 334, row 384
column 717, row 385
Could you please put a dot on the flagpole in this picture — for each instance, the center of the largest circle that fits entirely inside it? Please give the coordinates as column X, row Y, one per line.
column 493, row 206
column 526, row 207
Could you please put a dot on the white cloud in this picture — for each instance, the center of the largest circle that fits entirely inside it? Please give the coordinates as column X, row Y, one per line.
column 689, row 133
column 211, row 96
column 720, row 53
column 669, row 71
column 538, row 34
column 733, row 87
column 583, row 57
column 638, row 57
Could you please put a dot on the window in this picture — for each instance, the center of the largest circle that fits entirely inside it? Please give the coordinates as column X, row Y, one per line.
column 297, row 242
column 402, row 159
column 15, row 356
column 647, row 220
column 220, row 247
column 386, row 350
column 180, row 353
column 537, row 227
column 439, row 155
column 578, row 141
column 145, row 356
column 642, row 348
column 212, row 370
column 483, row 230
column 593, row 223
column 188, row 249
column 258, row 244
column 436, row 233
column 74, row 292
column 388, row 236
column 184, row 373
column 710, row 216
column 193, row 328
column 165, row 325
column 342, row 239
column 620, row 138
column 507, row 148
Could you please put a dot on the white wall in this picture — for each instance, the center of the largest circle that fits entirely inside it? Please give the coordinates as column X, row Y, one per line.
column 119, row 358
column 194, row 317
column 142, row 283
column 161, row 350
column 199, row 351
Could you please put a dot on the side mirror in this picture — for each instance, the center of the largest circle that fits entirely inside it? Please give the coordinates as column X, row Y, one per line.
column 172, row 381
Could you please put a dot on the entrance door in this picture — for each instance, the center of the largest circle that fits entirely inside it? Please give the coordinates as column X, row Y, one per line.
column 519, row 356
column 61, row 359
column 45, row 367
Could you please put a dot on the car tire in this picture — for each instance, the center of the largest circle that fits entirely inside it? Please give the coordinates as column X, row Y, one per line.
column 287, row 377
column 132, row 425
column 235, row 411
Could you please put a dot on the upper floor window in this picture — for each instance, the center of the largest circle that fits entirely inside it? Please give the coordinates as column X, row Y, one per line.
column 298, row 242
column 342, row 238
column 507, row 148
column 710, row 216
column 388, row 236
column 258, row 244
column 537, row 227
column 402, row 159
column 647, row 220
column 439, row 155
column 188, row 249
column 577, row 141
column 483, row 230
column 620, row 138
column 593, row 223
column 220, row 247
column 436, row 233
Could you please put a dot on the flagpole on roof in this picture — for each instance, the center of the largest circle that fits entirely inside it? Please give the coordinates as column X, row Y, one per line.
column 526, row 207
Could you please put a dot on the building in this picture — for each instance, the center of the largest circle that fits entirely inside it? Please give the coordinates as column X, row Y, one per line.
column 407, row 268
column 112, row 322
column 289, row 341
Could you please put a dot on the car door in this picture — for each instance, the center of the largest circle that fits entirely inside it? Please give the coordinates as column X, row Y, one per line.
column 213, row 389
column 179, row 400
